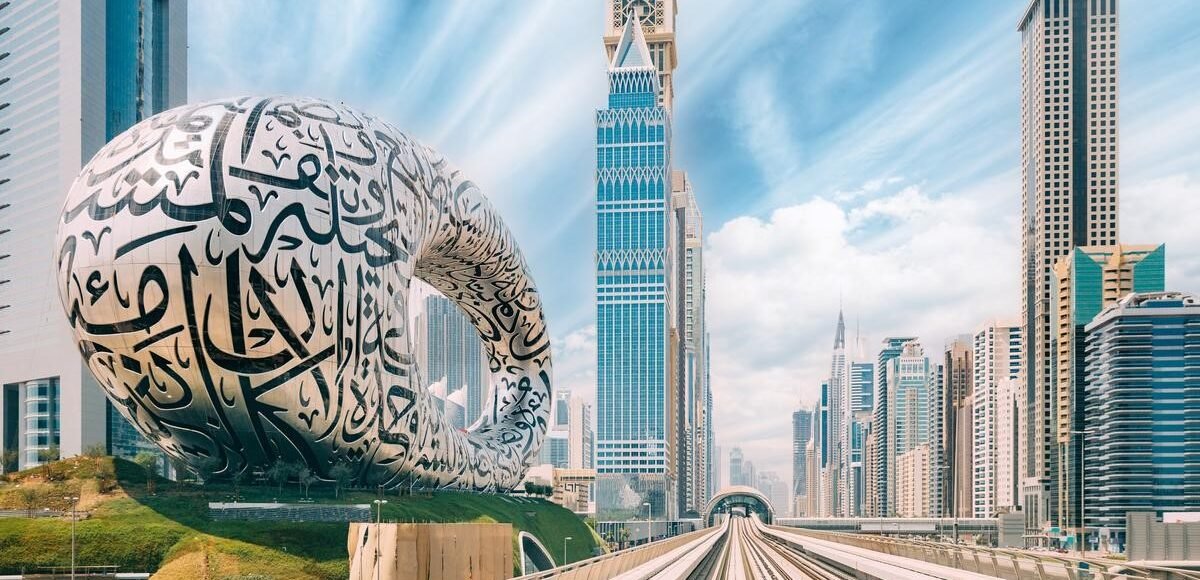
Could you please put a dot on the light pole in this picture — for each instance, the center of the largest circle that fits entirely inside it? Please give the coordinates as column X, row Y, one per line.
column 379, row 503
column 954, row 514
column 1082, row 523
column 565, row 540
column 74, row 502
column 649, row 524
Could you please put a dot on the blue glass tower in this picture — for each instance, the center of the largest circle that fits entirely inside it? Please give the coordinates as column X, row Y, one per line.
column 633, row 287
column 1141, row 451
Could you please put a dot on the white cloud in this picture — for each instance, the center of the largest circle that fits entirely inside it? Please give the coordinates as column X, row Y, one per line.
column 1166, row 210
column 904, row 263
column 575, row 362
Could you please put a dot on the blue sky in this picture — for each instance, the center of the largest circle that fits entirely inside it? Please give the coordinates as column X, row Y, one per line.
column 859, row 152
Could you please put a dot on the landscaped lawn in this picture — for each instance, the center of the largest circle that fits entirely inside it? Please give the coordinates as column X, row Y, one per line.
column 170, row 530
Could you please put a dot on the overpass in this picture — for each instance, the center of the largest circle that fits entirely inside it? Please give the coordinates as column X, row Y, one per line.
column 947, row 527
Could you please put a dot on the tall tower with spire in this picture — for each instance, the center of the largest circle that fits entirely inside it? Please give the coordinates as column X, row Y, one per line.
column 637, row 339
column 657, row 21
column 839, row 431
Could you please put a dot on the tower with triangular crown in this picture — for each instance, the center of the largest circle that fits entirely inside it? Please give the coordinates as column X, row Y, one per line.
column 640, row 416
column 656, row 18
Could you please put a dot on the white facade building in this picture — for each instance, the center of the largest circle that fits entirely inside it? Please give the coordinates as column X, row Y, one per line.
column 78, row 74
column 914, row 493
column 996, row 358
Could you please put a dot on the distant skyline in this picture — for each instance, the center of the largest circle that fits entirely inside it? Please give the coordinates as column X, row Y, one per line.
column 864, row 153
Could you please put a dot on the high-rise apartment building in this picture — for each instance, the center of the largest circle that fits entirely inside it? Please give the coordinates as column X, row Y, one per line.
column 1142, row 450
column 862, row 405
column 775, row 490
column 914, row 473
column 838, row 428
column 801, row 435
column 813, row 493
column 821, row 430
column 996, row 364
column 860, row 427
column 452, row 353
column 736, row 459
column 1010, row 402
column 580, row 434
column 78, row 73
column 957, row 446
column 1087, row 280
column 720, row 478
column 637, row 419
column 908, row 400
column 862, row 386
column 881, row 420
column 870, row 496
column 1069, row 162
column 694, row 407
column 939, row 466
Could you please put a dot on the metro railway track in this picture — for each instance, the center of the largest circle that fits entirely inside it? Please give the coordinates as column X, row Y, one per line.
column 746, row 553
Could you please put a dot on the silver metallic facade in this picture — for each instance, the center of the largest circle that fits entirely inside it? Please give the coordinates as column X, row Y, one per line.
column 236, row 276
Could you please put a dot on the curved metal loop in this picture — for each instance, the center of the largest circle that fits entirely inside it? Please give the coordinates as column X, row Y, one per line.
column 237, row 274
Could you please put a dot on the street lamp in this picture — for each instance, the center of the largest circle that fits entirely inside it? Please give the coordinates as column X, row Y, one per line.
column 954, row 514
column 564, row 560
column 1082, row 529
column 649, row 524
column 379, row 503
column 74, row 501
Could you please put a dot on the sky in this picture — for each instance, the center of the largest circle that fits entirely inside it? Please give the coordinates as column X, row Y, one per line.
column 863, row 154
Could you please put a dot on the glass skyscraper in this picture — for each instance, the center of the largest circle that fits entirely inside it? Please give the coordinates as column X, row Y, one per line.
column 884, row 459
column 1142, row 449
column 453, row 352
column 78, row 73
column 862, row 403
column 1086, row 281
column 635, row 370
column 801, row 435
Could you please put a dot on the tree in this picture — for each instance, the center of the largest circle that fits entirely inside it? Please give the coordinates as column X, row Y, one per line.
column 95, row 450
column 46, row 457
column 29, row 499
column 342, row 474
column 279, row 472
column 149, row 463
column 237, row 478
column 306, row 477
column 106, row 477
column 8, row 460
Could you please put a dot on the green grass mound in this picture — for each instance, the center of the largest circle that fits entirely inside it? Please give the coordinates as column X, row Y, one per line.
column 169, row 532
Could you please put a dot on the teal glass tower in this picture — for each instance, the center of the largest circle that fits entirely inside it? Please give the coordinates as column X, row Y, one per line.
column 634, row 288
